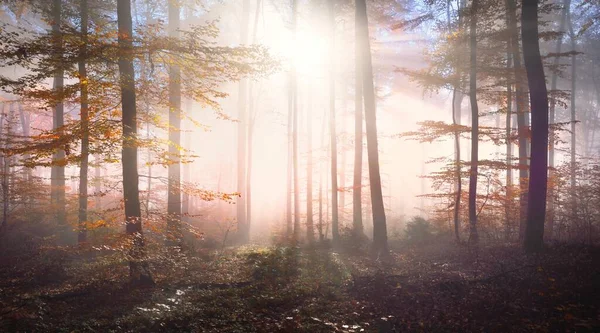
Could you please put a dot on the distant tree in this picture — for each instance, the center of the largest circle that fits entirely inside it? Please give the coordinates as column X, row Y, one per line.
column 243, row 232
column 174, row 233
column 473, row 174
column 84, row 116
column 332, row 131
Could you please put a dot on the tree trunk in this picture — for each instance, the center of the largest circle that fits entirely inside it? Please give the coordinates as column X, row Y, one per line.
column 252, row 119
column 187, row 171
column 97, row 183
column 522, row 126
column 85, row 138
column 572, row 175
column 310, row 230
column 538, row 182
column 4, row 164
column 290, row 165
column 58, row 172
column 456, row 122
column 174, row 233
column 509, row 176
column 357, row 223
column 380, row 244
column 473, row 174
column 294, row 87
column 335, row 233
column 138, row 267
column 324, row 126
column 554, row 81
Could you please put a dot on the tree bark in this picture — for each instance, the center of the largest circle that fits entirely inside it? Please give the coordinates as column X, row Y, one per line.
column 174, row 233
column 538, row 182
column 138, row 267
column 380, row 243
column 473, row 174
column 85, row 139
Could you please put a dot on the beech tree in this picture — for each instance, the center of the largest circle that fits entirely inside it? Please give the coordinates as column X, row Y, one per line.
column 538, row 94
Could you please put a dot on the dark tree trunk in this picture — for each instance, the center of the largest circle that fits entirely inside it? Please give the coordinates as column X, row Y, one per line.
column 332, row 131
column 380, row 244
column 138, row 267
column 85, row 139
column 357, row 223
column 174, row 233
column 553, row 86
column 58, row 171
column 473, row 174
column 538, row 182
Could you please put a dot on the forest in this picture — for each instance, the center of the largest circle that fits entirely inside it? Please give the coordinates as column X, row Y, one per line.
column 300, row 165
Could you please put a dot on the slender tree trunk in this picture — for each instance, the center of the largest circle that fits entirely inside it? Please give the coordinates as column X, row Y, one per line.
column 509, row 176
column 174, row 232
column 25, row 124
column 522, row 122
column 332, row 131
column 288, row 212
column 252, row 119
column 139, row 270
column 242, row 135
column 572, row 175
column 324, row 126
column 149, row 184
column 457, row 161
column 380, row 244
column 58, row 171
column 536, row 211
column 187, row 171
column 4, row 167
column 552, row 141
column 473, row 174
column 310, row 230
column 295, row 130
column 97, row 183
column 357, row 223
column 85, row 139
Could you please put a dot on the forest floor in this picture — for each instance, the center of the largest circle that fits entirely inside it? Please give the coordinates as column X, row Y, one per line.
column 440, row 287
